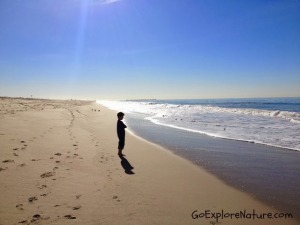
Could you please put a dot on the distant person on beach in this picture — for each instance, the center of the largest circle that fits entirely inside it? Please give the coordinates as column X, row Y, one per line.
column 121, row 132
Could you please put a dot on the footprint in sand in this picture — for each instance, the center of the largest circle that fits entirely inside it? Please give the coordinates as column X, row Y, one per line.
column 15, row 154
column 8, row 161
column 32, row 199
column 58, row 154
column 15, row 149
column 22, row 165
column 78, row 196
column 116, row 198
column 76, row 207
column 48, row 174
column 70, row 217
column 37, row 217
column 43, row 186
column 2, row 169
column 20, row 207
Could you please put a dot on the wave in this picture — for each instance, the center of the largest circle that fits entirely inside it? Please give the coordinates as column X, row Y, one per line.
column 270, row 127
column 158, row 108
column 153, row 120
column 291, row 116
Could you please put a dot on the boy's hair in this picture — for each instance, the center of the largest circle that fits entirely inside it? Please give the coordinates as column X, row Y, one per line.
column 120, row 114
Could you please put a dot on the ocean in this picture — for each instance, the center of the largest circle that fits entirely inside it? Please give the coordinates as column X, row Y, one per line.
column 269, row 121
column 250, row 144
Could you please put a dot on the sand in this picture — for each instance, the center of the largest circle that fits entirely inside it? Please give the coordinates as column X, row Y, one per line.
column 268, row 173
column 59, row 165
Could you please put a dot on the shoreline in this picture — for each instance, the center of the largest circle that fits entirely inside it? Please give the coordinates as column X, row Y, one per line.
column 225, row 138
column 267, row 173
column 61, row 164
column 226, row 120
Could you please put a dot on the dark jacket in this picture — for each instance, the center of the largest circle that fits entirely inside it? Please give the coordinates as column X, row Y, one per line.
column 121, row 129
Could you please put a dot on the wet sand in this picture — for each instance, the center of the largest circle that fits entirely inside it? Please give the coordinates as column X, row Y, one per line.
column 268, row 173
column 59, row 165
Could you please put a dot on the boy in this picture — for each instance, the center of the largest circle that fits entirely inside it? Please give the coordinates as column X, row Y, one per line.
column 121, row 132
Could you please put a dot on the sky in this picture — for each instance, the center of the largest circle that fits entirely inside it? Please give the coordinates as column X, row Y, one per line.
column 136, row 49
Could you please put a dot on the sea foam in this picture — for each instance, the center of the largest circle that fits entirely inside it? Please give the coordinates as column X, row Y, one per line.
column 270, row 127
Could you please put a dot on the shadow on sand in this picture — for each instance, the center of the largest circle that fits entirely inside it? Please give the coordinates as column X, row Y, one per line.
column 126, row 165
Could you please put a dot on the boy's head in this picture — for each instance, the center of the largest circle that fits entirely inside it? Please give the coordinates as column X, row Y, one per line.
column 120, row 115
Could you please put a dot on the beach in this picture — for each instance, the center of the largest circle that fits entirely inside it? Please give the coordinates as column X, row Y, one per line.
column 267, row 173
column 59, row 165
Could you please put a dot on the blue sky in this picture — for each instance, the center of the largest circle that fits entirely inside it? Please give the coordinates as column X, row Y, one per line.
column 122, row 49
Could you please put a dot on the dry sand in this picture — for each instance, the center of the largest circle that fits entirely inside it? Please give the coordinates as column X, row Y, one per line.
column 59, row 165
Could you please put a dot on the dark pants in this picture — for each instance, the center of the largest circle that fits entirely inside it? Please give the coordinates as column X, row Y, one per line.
column 121, row 143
